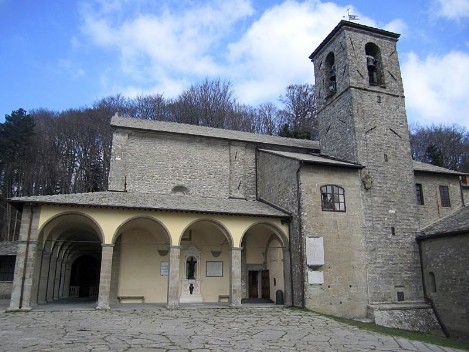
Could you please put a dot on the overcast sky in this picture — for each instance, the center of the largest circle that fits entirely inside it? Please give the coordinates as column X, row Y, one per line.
column 59, row 54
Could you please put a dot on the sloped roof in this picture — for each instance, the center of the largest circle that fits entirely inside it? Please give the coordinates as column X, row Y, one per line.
column 455, row 223
column 314, row 159
column 424, row 167
column 193, row 130
column 166, row 202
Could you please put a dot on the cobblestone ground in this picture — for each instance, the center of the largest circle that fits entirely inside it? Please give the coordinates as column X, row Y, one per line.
column 155, row 328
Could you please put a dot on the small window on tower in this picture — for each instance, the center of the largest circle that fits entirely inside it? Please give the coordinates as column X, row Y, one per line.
column 332, row 198
column 374, row 65
column 331, row 84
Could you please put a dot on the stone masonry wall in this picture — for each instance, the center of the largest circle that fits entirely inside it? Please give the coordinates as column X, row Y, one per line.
column 432, row 210
column 344, row 291
column 447, row 258
column 277, row 184
column 158, row 162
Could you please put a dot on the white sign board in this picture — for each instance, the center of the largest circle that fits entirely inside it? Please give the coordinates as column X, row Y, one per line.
column 315, row 277
column 164, row 268
column 314, row 251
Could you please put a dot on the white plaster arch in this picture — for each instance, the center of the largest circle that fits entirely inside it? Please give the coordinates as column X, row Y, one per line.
column 281, row 236
column 140, row 217
column 219, row 224
column 52, row 222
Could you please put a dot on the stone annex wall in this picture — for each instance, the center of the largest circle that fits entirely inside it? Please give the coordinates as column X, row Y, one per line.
column 7, row 248
column 344, row 291
column 158, row 162
column 432, row 210
column 446, row 266
column 277, row 184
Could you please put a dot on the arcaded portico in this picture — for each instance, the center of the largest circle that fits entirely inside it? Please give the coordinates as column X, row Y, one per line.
column 149, row 255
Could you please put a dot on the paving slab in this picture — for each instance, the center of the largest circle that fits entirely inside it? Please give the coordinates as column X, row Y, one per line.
column 201, row 329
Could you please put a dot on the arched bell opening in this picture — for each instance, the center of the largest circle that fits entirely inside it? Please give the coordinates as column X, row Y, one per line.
column 263, row 274
column 374, row 65
column 330, row 74
column 205, row 263
column 62, row 241
column 141, row 262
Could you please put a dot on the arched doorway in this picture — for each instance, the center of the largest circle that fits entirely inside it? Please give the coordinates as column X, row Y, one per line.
column 205, row 263
column 263, row 264
column 68, row 260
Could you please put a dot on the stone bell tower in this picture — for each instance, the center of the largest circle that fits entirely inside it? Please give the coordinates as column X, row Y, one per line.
column 362, row 118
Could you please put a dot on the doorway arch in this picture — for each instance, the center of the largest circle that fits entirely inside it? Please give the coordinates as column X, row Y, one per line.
column 264, row 268
column 61, row 241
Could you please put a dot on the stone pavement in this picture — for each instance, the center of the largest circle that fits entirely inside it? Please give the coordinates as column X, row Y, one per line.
column 195, row 329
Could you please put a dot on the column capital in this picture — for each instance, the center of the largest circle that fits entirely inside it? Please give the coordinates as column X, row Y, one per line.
column 107, row 245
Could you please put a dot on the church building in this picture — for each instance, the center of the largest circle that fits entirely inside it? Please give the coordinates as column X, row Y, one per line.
column 198, row 215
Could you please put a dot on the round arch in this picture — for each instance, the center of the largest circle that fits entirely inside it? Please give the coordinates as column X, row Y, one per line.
column 132, row 219
column 274, row 228
column 61, row 239
column 140, row 261
column 205, row 264
column 215, row 222
column 264, row 262
column 53, row 224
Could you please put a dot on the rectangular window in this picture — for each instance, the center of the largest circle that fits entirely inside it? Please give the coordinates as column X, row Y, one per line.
column 419, row 193
column 7, row 267
column 444, row 196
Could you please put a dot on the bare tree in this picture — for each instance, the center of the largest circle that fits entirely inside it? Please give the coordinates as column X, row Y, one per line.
column 299, row 112
column 209, row 103
column 267, row 119
column 446, row 146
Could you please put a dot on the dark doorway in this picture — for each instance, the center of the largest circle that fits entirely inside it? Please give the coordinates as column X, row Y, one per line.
column 259, row 284
column 84, row 280
column 253, row 284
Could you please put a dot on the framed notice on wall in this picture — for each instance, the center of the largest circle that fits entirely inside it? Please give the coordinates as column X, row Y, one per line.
column 214, row 269
column 164, row 268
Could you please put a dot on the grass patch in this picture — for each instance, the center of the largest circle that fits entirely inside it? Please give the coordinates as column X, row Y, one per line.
column 411, row 335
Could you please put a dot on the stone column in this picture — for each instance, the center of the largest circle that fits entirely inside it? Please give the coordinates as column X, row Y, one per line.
column 43, row 277
column 58, row 277
column 116, row 259
column 62, row 278
column 67, row 276
column 25, row 260
column 105, row 276
column 173, row 278
column 51, row 277
column 235, row 287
